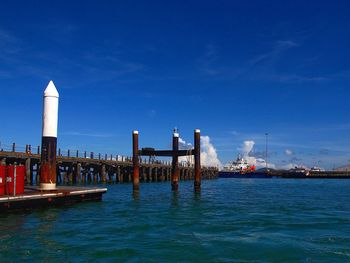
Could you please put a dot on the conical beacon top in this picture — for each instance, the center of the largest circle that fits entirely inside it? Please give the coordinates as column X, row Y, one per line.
column 51, row 90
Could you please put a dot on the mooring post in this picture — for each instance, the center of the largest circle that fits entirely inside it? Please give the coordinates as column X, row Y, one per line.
column 175, row 163
column 28, row 172
column 197, row 160
column 103, row 174
column 78, row 173
column 135, row 160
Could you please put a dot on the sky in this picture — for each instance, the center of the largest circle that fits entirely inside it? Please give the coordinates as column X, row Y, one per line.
column 234, row 69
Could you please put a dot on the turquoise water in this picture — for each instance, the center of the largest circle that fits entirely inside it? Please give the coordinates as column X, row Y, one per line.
column 232, row 220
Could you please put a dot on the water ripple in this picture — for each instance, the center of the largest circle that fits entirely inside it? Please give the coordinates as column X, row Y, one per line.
column 230, row 221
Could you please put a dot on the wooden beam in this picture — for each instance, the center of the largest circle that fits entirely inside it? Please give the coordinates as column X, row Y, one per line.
column 169, row 153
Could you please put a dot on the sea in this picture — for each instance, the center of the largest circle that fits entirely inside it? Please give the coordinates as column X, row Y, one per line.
column 230, row 220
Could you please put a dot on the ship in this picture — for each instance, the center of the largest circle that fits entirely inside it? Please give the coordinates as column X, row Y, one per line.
column 240, row 168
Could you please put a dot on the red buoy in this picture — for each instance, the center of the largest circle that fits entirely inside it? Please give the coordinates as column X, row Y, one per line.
column 2, row 179
column 15, row 179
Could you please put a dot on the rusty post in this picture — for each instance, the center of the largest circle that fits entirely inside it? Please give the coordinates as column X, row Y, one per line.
column 175, row 163
column 135, row 159
column 197, row 160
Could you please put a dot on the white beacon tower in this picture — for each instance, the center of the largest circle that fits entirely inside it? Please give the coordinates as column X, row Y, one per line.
column 49, row 138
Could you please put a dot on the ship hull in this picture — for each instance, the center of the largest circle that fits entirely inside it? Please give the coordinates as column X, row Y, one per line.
column 247, row 175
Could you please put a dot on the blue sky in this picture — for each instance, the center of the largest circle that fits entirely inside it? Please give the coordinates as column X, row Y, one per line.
column 234, row 69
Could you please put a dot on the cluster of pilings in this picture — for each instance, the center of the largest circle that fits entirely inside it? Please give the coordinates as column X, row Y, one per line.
column 96, row 168
column 174, row 153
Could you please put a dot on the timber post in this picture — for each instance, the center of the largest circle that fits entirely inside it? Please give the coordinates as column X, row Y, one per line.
column 135, row 159
column 197, row 160
column 175, row 163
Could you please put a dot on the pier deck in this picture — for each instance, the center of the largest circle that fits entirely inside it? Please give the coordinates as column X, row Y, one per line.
column 33, row 197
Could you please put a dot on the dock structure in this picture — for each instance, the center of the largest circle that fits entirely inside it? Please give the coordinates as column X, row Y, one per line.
column 35, row 197
column 76, row 167
column 14, row 196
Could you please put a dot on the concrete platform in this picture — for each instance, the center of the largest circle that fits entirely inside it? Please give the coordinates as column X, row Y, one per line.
column 33, row 197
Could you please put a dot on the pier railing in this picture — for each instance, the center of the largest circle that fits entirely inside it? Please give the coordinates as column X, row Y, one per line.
column 35, row 150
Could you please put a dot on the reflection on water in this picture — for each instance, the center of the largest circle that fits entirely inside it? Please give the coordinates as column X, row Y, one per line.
column 136, row 195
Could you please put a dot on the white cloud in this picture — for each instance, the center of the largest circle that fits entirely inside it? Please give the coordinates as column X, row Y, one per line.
column 288, row 152
column 209, row 155
column 247, row 150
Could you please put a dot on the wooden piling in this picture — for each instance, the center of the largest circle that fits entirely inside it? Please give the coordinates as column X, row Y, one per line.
column 175, row 163
column 197, row 160
column 78, row 173
column 70, row 174
column 103, row 174
column 135, row 159
column 28, row 171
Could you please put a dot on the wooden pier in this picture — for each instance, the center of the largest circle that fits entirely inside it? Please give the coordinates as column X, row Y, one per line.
column 74, row 167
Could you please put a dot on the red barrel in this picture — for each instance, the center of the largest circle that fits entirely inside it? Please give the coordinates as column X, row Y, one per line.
column 2, row 179
column 15, row 179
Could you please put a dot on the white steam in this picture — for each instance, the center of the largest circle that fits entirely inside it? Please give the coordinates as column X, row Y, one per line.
column 247, row 148
column 209, row 155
